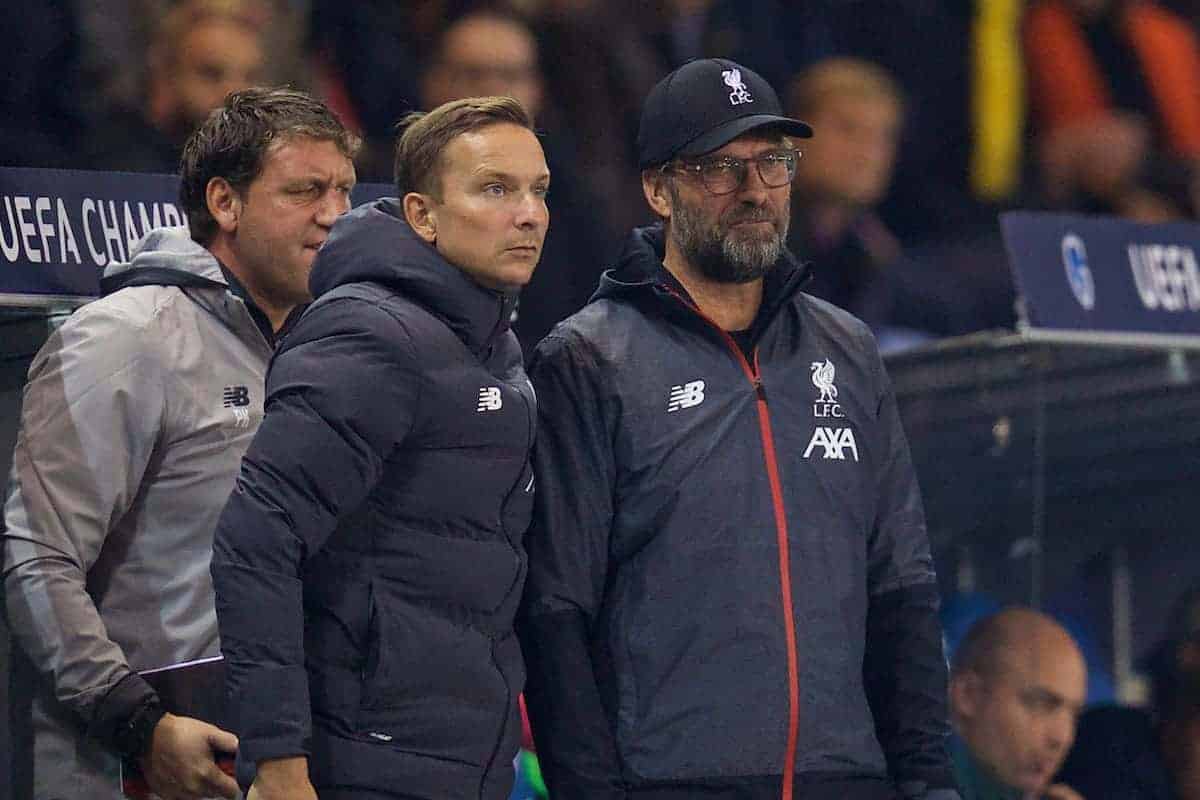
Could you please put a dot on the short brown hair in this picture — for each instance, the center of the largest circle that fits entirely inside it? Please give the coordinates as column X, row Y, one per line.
column 424, row 137
column 813, row 87
column 233, row 143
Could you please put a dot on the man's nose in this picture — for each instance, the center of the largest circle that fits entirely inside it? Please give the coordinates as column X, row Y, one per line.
column 752, row 189
column 332, row 206
column 532, row 212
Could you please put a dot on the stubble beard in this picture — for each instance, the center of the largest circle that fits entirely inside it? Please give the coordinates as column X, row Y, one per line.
column 721, row 252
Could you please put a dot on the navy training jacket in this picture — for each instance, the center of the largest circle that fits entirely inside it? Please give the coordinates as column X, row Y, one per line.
column 369, row 563
column 730, row 590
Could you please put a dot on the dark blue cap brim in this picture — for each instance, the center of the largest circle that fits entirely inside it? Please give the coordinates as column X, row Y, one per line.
column 726, row 133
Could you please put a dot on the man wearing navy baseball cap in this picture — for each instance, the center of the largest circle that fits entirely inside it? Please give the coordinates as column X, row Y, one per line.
column 730, row 591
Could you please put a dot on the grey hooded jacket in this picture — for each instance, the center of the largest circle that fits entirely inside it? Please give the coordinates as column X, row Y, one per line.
column 134, row 421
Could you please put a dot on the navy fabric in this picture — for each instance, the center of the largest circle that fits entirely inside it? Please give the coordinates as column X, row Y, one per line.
column 369, row 563
column 653, row 623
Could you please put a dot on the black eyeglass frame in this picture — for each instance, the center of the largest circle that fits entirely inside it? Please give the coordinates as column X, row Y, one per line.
column 740, row 167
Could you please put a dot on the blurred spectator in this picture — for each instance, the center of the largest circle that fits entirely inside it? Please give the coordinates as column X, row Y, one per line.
column 959, row 65
column 1017, row 684
column 41, row 122
column 371, row 50
column 202, row 51
column 1134, row 754
column 1113, row 84
column 856, row 111
column 961, row 158
column 494, row 52
column 775, row 38
column 599, row 97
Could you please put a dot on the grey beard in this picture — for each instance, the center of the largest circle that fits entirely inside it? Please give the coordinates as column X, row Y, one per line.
column 726, row 259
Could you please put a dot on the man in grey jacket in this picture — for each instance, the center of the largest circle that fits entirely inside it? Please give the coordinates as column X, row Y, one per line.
column 134, row 421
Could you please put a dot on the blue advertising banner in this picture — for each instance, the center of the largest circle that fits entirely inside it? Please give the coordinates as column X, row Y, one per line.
column 59, row 229
column 1080, row 274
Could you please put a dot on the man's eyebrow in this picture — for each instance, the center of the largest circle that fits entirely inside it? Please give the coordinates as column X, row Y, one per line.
column 1042, row 693
column 485, row 172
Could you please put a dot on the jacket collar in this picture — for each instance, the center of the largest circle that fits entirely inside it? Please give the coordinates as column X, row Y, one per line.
column 640, row 271
column 374, row 243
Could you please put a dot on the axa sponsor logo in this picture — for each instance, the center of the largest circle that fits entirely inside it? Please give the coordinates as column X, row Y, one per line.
column 686, row 395
column 835, row 443
column 489, row 399
column 826, row 404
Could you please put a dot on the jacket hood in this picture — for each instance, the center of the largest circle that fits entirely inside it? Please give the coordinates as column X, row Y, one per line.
column 164, row 257
column 640, row 266
column 374, row 243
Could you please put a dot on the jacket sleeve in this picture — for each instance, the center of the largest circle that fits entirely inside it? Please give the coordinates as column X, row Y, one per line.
column 93, row 410
column 341, row 395
column 568, row 561
column 904, row 668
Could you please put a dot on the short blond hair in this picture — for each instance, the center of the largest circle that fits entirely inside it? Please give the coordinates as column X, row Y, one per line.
column 831, row 78
column 424, row 137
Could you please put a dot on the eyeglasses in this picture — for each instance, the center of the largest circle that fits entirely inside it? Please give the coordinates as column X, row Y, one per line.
column 725, row 174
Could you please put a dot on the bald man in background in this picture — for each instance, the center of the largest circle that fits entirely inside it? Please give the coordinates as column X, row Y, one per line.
column 1017, row 685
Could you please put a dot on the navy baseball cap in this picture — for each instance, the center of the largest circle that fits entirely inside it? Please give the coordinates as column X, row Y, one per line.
column 704, row 105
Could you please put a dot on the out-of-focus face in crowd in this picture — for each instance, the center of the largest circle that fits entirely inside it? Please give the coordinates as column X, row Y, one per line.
column 201, row 57
column 482, row 55
column 1017, row 709
column 856, row 113
column 849, row 159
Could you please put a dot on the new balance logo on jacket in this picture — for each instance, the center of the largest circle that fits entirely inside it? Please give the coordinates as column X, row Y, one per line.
column 235, row 397
column 489, row 399
column 685, row 396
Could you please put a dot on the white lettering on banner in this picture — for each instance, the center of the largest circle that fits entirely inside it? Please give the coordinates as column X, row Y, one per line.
column 131, row 231
column 45, row 229
column 172, row 215
column 66, row 236
column 149, row 223
column 1167, row 276
column 89, row 207
column 111, row 227
column 30, row 226
column 11, row 249
column 22, row 205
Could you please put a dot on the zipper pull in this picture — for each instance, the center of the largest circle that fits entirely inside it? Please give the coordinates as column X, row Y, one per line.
column 759, row 389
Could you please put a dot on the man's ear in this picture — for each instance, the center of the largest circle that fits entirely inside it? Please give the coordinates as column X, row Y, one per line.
column 658, row 195
column 966, row 689
column 421, row 215
column 224, row 204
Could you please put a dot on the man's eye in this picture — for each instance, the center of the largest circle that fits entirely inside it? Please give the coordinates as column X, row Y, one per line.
column 494, row 189
column 720, row 167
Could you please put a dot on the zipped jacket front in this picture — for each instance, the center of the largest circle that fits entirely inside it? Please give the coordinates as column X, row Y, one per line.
column 730, row 583
column 369, row 562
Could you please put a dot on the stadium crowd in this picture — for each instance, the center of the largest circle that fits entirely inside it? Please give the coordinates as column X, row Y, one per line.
column 933, row 115
column 930, row 117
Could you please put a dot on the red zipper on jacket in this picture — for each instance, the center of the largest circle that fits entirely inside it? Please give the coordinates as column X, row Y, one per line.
column 781, row 535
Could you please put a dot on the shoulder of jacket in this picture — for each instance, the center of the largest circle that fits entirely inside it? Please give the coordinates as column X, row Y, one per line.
column 832, row 316
column 137, row 317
